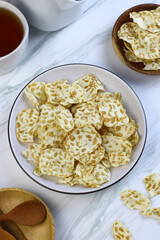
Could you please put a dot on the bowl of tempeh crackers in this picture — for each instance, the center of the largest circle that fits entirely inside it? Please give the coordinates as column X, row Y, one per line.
column 136, row 38
column 77, row 128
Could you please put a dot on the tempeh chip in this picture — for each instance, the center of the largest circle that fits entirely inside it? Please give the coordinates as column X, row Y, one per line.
column 117, row 159
column 134, row 199
column 91, row 85
column 84, row 176
column 152, row 184
column 151, row 212
column 35, row 92
column 120, row 232
column 112, row 112
column 52, row 89
column 94, row 157
column 133, row 139
column 56, row 162
column 116, row 144
column 82, row 141
column 145, row 20
column 70, row 94
column 101, row 174
column 26, row 125
column 33, row 152
column 87, row 113
column 65, row 120
column 125, row 130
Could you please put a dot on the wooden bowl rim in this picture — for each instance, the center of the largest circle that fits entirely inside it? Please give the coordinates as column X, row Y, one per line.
column 39, row 199
column 117, row 48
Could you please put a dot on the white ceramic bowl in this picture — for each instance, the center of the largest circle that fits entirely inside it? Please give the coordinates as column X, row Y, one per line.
column 11, row 60
column 111, row 83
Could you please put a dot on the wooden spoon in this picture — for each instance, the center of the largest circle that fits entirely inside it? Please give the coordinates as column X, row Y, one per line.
column 27, row 213
column 4, row 235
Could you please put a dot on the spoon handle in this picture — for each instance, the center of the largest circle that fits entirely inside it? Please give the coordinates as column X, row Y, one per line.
column 4, row 235
column 3, row 217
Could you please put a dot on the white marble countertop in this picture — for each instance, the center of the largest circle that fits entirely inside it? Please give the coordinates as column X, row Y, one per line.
column 90, row 216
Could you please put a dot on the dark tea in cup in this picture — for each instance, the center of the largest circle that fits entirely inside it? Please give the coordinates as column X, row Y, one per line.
column 11, row 31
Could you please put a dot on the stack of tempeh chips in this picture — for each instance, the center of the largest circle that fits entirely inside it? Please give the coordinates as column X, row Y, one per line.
column 138, row 201
column 82, row 131
column 142, row 38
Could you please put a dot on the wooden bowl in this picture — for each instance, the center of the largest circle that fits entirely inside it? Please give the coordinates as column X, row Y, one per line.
column 118, row 43
column 11, row 197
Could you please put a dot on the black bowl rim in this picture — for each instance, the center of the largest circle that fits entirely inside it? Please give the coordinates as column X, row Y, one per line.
column 76, row 193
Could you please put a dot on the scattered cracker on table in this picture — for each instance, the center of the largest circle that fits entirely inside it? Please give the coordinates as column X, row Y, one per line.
column 78, row 131
column 151, row 212
column 152, row 184
column 134, row 199
column 120, row 232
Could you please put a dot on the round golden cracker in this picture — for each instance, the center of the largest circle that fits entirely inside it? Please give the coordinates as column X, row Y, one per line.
column 105, row 162
column 127, row 32
column 91, row 85
column 105, row 95
column 26, row 125
column 145, row 20
column 49, row 130
column 35, row 92
column 120, row 232
column 152, row 184
column 52, row 89
column 151, row 212
column 117, row 159
column 134, row 199
column 48, row 115
column 52, row 135
column 156, row 15
column 83, row 176
column 128, row 46
column 65, row 120
column 147, row 46
column 104, row 131
column 116, row 144
column 157, row 9
column 94, row 157
column 33, row 100
column 132, row 57
column 56, row 162
column 37, row 170
column 101, row 174
column 82, row 141
column 70, row 94
column 33, row 152
column 133, row 139
column 112, row 112
column 152, row 65
column 124, row 130
column 68, row 180
column 87, row 114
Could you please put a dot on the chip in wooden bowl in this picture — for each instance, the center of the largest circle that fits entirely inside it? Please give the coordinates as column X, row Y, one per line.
column 126, row 38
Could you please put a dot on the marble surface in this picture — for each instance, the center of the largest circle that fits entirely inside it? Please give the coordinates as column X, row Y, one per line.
column 86, row 217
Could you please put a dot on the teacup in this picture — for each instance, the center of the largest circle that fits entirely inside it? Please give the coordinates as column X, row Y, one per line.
column 14, row 33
